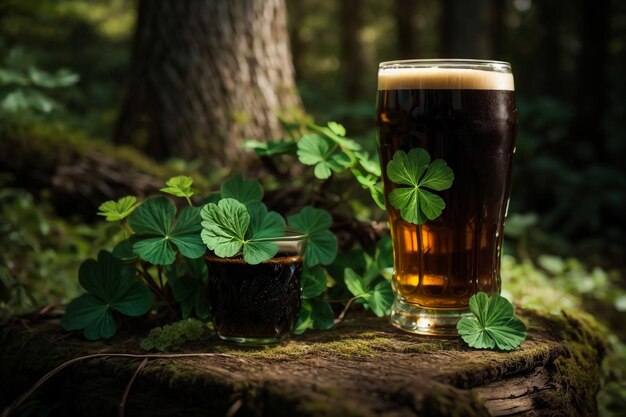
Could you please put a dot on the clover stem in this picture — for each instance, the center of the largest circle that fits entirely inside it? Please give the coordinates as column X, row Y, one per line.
column 420, row 254
column 160, row 269
column 188, row 200
column 345, row 310
column 123, row 226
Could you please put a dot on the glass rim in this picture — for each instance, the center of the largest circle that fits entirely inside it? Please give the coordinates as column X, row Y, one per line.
column 480, row 64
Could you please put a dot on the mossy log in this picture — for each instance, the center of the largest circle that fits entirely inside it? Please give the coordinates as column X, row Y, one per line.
column 363, row 367
column 76, row 173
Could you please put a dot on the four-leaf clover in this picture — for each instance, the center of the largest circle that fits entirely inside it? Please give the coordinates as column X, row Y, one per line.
column 158, row 236
column 418, row 173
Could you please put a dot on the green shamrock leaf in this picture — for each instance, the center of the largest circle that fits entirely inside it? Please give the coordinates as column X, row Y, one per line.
column 313, row 281
column 319, row 151
column 416, row 204
column 305, row 318
column 188, row 283
column 337, row 129
column 224, row 226
column 118, row 210
column 159, row 238
column 265, row 228
column 373, row 184
column 242, row 190
column 322, row 243
column 494, row 324
column 180, row 187
column 378, row 297
column 110, row 287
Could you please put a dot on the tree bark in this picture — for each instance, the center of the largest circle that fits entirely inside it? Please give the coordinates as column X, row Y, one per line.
column 351, row 22
column 465, row 29
column 591, row 92
column 405, row 11
column 363, row 368
column 207, row 74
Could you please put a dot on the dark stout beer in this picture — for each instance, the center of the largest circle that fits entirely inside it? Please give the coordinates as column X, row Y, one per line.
column 258, row 302
column 468, row 118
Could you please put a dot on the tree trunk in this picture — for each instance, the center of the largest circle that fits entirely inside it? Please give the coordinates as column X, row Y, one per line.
column 361, row 368
column 591, row 93
column 465, row 29
column 207, row 74
column 351, row 22
column 405, row 11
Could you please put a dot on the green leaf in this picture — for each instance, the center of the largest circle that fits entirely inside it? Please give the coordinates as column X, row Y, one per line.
column 180, row 186
column 372, row 166
column 381, row 298
column 189, row 287
column 118, row 210
column 319, row 151
column 313, row 281
column 494, row 324
column 416, row 204
column 337, row 129
column 266, row 149
column 321, row 314
column 110, row 287
column 158, row 240
column 354, row 282
column 124, row 249
column 242, row 190
column 321, row 247
column 305, row 317
column 264, row 227
column 224, row 226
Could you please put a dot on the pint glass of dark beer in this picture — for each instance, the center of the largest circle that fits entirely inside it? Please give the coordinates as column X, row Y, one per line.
column 463, row 112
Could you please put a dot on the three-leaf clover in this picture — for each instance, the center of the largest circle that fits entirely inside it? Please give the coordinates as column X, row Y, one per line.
column 118, row 210
column 494, row 324
column 317, row 150
column 417, row 172
column 110, row 287
column 321, row 247
column 158, row 236
column 229, row 226
column 180, row 186
column 316, row 314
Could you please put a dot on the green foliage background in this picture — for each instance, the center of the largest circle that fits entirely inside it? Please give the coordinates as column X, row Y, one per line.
column 565, row 232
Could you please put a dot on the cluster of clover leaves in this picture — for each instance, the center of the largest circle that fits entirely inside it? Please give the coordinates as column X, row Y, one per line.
column 160, row 263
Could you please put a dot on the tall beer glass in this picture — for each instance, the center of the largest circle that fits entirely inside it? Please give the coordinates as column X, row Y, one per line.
column 461, row 111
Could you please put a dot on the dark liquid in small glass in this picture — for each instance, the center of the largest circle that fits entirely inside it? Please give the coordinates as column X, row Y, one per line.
column 255, row 301
column 474, row 132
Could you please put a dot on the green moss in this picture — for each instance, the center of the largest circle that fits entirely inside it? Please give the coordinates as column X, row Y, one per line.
column 577, row 374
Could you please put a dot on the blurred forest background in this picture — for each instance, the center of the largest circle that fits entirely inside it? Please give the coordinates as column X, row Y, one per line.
column 75, row 85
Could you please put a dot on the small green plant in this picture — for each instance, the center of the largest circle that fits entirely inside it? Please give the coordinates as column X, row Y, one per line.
column 173, row 336
column 494, row 324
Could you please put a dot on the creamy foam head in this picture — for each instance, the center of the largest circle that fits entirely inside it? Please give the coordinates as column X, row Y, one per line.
column 414, row 78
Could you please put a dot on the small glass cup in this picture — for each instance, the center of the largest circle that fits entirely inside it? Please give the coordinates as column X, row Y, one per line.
column 257, row 304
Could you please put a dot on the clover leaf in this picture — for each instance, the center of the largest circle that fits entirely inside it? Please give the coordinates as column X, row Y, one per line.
column 241, row 189
column 118, row 210
column 313, row 281
column 224, row 226
column 315, row 314
column 265, row 227
column 159, row 237
column 230, row 227
column 321, row 247
column 188, row 283
column 180, row 186
column 494, row 324
column 378, row 297
column 110, row 287
column 317, row 150
column 415, row 170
